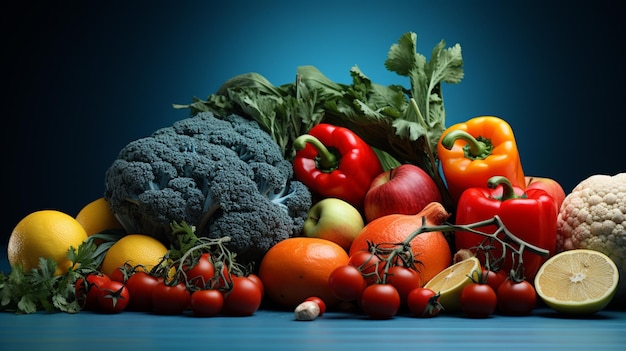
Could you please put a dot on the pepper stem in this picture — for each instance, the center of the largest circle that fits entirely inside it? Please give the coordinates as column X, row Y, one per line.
column 326, row 159
column 475, row 149
column 507, row 188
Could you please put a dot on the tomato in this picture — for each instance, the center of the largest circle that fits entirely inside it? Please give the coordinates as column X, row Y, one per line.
column 346, row 282
column 223, row 280
column 494, row 279
column 404, row 280
column 170, row 299
column 255, row 278
column 320, row 303
column 87, row 290
column 478, row 300
column 201, row 273
column 369, row 264
column 113, row 297
column 117, row 275
column 122, row 273
column 380, row 301
column 140, row 286
column 207, row 303
column 423, row 302
column 243, row 299
column 516, row 298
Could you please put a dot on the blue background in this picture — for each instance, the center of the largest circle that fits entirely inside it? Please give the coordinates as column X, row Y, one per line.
column 81, row 81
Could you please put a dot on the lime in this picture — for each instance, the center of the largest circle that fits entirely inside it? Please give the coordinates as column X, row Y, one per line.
column 450, row 282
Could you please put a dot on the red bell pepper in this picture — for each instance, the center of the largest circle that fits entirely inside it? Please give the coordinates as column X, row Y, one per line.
column 530, row 215
column 335, row 162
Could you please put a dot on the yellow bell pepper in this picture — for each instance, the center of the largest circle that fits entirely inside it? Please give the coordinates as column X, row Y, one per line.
column 474, row 151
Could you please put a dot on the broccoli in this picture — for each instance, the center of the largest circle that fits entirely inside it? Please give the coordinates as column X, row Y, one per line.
column 223, row 175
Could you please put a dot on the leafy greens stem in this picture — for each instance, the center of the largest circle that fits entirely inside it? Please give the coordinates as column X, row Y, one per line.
column 434, row 171
column 418, row 113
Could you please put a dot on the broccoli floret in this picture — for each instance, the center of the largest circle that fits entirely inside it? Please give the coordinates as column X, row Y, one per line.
column 224, row 175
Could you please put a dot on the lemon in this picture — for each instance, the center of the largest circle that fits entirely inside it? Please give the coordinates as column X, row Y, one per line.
column 97, row 217
column 578, row 281
column 45, row 234
column 450, row 282
column 134, row 249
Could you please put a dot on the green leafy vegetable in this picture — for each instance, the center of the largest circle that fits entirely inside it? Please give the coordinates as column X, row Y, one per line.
column 40, row 290
column 402, row 124
column 285, row 112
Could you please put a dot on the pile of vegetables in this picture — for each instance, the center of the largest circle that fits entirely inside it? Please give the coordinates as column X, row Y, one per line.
column 243, row 170
column 227, row 169
column 402, row 124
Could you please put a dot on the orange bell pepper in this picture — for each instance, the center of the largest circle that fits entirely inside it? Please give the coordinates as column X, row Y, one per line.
column 474, row 151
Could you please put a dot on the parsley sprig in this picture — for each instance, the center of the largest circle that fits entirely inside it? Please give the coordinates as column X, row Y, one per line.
column 38, row 289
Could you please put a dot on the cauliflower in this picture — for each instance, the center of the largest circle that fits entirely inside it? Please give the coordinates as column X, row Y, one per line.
column 593, row 216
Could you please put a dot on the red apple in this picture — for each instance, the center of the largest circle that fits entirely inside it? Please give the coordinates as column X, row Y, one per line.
column 550, row 186
column 405, row 189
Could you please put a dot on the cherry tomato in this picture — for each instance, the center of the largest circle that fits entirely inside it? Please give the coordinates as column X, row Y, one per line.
column 122, row 273
column 346, row 282
column 170, row 299
column 369, row 264
column 87, row 290
column 223, row 278
column 113, row 297
column 423, row 302
column 478, row 300
column 380, row 301
column 243, row 299
column 207, row 303
column 404, row 280
column 255, row 278
column 494, row 279
column 320, row 303
column 140, row 286
column 516, row 298
column 201, row 273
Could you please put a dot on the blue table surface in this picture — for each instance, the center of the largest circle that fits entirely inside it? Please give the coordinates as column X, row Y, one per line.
column 277, row 330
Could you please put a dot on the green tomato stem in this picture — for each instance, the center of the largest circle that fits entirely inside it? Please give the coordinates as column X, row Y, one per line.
column 507, row 242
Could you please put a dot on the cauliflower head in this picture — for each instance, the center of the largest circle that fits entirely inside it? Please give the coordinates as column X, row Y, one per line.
column 593, row 216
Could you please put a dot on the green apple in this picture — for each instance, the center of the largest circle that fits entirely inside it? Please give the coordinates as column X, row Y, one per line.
column 335, row 220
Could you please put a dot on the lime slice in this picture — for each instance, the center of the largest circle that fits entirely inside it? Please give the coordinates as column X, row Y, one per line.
column 579, row 281
column 450, row 282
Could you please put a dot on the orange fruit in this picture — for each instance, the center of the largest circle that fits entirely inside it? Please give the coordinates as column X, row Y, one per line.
column 45, row 234
column 430, row 248
column 97, row 217
column 134, row 249
column 299, row 267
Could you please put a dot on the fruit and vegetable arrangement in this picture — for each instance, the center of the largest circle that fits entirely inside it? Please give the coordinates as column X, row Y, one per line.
column 316, row 196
